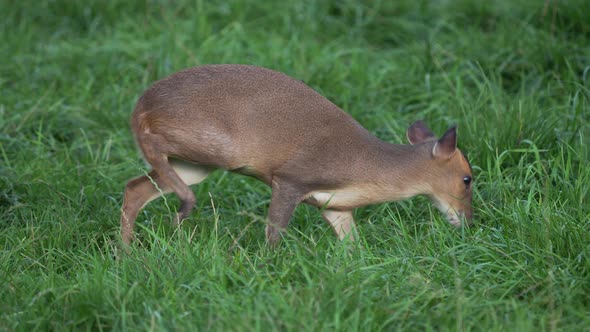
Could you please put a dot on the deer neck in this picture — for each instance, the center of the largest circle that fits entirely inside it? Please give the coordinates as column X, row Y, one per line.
column 382, row 172
column 400, row 171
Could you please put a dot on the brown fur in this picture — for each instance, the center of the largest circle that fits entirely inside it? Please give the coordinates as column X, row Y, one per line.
column 262, row 123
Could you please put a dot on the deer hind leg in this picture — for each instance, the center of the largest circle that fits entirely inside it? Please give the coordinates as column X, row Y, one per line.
column 138, row 193
column 168, row 175
column 142, row 190
column 342, row 222
column 190, row 174
column 156, row 152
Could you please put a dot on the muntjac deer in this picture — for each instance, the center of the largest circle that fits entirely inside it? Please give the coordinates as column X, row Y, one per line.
column 264, row 124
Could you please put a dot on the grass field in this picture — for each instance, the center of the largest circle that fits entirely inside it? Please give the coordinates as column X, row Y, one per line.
column 513, row 75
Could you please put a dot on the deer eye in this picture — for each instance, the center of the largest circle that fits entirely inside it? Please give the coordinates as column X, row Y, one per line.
column 467, row 180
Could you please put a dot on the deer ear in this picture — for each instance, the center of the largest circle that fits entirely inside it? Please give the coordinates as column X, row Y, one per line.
column 446, row 145
column 418, row 133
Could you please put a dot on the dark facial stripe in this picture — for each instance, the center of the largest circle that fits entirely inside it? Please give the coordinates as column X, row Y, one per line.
column 467, row 160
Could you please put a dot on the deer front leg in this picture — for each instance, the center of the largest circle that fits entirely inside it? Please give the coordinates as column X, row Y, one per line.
column 284, row 199
column 342, row 222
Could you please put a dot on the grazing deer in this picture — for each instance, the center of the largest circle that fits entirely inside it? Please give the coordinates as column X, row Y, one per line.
column 267, row 125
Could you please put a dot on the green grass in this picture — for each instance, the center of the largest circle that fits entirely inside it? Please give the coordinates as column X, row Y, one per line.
column 513, row 75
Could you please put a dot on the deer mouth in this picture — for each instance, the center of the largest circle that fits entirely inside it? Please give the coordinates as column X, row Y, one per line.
column 458, row 219
column 454, row 220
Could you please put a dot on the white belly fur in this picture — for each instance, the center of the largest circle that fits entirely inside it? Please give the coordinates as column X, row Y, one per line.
column 359, row 196
column 189, row 173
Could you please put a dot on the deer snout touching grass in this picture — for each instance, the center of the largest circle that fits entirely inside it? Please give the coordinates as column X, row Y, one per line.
column 267, row 125
column 446, row 171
